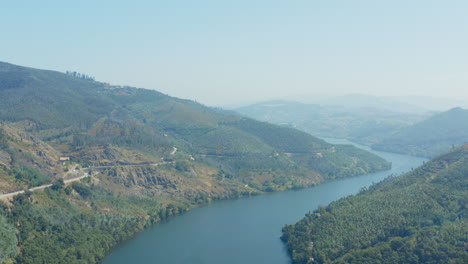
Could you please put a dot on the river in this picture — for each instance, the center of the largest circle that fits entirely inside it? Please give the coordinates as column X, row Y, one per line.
column 246, row 230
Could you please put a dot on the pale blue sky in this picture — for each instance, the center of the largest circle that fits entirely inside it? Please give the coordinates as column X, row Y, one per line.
column 222, row 52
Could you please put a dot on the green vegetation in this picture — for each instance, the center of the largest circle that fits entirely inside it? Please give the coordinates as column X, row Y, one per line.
column 57, row 231
column 75, row 114
column 151, row 156
column 8, row 240
column 420, row 217
column 29, row 176
column 82, row 222
column 334, row 163
column 433, row 136
column 3, row 140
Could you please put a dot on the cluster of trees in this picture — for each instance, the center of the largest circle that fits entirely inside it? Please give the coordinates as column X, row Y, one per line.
column 80, row 75
column 3, row 139
column 419, row 217
column 20, row 164
column 127, row 133
column 76, row 237
column 29, row 175
column 283, row 139
column 8, row 238
column 344, row 161
column 61, row 230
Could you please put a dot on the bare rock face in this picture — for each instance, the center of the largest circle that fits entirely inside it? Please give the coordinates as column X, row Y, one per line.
column 148, row 177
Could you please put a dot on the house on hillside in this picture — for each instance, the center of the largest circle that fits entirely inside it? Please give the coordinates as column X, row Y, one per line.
column 64, row 159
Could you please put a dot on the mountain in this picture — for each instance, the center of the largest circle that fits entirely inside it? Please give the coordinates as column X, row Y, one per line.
column 399, row 104
column 425, row 135
column 375, row 102
column 361, row 124
column 420, row 217
column 430, row 137
column 118, row 159
column 71, row 113
column 432, row 103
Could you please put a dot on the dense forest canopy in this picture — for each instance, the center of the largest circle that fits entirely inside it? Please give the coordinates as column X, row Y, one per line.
column 420, row 217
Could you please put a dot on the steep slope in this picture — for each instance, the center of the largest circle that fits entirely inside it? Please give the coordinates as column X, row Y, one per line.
column 430, row 137
column 26, row 161
column 420, row 217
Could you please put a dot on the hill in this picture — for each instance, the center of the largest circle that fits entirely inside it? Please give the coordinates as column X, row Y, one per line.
column 430, row 137
column 363, row 123
column 74, row 113
column 417, row 134
column 130, row 158
column 420, row 217
column 389, row 104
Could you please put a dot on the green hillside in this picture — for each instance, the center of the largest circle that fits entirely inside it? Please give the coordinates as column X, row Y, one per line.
column 430, row 137
column 72, row 114
column 141, row 157
column 420, row 217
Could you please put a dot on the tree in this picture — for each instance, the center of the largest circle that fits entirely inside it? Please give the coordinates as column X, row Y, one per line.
column 58, row 184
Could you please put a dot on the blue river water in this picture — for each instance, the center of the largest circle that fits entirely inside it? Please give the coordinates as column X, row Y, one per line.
column 246, row 230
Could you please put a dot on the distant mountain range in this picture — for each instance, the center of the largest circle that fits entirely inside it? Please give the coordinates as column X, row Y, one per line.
column 149, row 155
column 373, row 102
column 430, row 137
column 361, row 124
column 399, row 104
column 420, row 134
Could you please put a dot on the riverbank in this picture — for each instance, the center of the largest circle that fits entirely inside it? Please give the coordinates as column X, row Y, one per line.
column 415, row 218
column 244, row 230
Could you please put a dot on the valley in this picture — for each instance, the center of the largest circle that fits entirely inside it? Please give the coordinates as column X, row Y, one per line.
column 376, row 122
column 244, row 230
column 234, row 132
column 151, row 156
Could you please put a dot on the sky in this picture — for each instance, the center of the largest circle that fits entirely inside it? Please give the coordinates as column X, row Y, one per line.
column 229, row 52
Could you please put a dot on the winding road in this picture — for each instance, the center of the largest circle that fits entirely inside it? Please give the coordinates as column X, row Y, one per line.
column 84, row 175
column 38, row 188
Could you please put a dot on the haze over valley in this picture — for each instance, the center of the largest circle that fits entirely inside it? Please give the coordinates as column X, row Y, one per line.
column 235, row 132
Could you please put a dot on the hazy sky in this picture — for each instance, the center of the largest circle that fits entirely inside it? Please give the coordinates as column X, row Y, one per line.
column 221, row 52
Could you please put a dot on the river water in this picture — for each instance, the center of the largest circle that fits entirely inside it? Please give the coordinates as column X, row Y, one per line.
column 246, row 230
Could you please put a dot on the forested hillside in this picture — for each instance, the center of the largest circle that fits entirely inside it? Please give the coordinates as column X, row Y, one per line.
column 148, row 156
column 420, row 217
column 74, row 113
column 428, row 138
